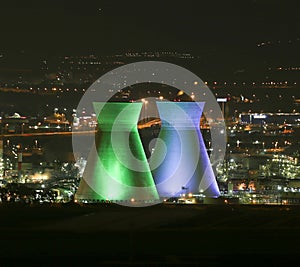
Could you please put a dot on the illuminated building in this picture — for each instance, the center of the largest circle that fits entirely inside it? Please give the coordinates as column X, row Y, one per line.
column 180, row 162
column 14, row 124
column 274, row 118
column 117, row 169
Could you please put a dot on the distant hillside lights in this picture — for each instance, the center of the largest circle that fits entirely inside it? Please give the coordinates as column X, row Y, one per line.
column 81, row 86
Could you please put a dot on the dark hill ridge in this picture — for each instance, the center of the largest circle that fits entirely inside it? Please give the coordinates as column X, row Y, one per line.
column 159, row 235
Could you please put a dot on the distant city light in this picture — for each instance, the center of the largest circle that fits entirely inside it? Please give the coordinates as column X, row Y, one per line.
column 221, row 99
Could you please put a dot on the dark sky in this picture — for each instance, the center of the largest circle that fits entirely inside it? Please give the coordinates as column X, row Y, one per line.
column 101, row 26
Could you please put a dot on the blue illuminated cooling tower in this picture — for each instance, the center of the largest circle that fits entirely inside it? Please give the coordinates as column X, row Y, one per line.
column 180, row 162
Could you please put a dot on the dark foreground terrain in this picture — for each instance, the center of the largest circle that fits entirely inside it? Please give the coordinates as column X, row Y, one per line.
column 161, row 235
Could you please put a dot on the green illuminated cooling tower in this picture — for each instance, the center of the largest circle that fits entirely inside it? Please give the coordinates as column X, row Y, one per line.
column 117, row 167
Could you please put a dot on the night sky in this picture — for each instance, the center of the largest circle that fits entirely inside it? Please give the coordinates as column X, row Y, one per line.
column 107, row 26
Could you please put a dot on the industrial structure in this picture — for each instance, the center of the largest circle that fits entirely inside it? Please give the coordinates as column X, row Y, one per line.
column 117, row 168
column 185, row 166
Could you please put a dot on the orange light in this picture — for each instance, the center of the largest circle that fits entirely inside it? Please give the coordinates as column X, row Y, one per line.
column 180, row 93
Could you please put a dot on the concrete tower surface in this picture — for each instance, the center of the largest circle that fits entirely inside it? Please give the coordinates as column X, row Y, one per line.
column 117, row 167
column 180, row 162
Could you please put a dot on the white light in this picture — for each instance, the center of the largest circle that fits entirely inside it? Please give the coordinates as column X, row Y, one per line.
column 221, row 99
column 260, row 116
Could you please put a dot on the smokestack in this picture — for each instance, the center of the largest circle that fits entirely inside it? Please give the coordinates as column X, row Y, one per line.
column 20, row 161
